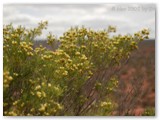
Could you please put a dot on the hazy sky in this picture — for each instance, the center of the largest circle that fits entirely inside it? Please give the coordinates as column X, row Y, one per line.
column 128, row 18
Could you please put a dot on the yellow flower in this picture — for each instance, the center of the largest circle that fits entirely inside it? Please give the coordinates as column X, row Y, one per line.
column 54, row 111
column 38, row 87
column 90, row 73
column 59, row 107
column 22, row 104
column 105, row 104
column 14, row 42
column 10, row 78
column 61, row 68
column 78, row 53
column 43, row 83
column 32, row 93
column 12, row 113
column 15, row 74
column 46, row 113
column 32, row 110
column 44, row 94
column 15, row 103
column 95, row 45
column 83, row 47
column 83, row 57
column 43, row 107
column 39, row 94
column 49, row 85
column 65, row 73
column 69, row 60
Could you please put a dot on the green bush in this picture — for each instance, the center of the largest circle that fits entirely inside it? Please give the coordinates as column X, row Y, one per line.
column 74, row 79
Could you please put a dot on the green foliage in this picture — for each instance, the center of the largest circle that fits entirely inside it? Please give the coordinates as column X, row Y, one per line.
column 38, row 81
column 149, row 112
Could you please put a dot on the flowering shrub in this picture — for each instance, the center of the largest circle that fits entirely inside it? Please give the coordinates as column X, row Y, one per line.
column 77, row 78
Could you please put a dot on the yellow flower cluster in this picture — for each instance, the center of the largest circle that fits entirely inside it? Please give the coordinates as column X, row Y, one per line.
column 145, row 31
column 43, row 107
column 40, row 94
column 6, row 79
column 111, row 29
column 65, row 73
column 14, row 42
column 50, row 39
column 38, row 87
column 113, row 84
column 83, row 58
column 106, row 104
column 15, row 102
column 77, row 53
column 83, row 47
column 15, row 74
column 12, row 113
column 39, row 49
column 27, row 47
column 46, row 57
column 134, row 45
column 49, row 85
column 106, row 107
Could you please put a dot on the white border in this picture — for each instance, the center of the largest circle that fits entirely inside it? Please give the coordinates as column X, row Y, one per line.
column 157, row 43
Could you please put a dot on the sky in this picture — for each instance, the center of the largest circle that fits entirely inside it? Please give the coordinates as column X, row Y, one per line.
column 128, row 18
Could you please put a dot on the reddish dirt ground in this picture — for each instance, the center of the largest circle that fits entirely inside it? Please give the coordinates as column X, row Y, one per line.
column 140, row 68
